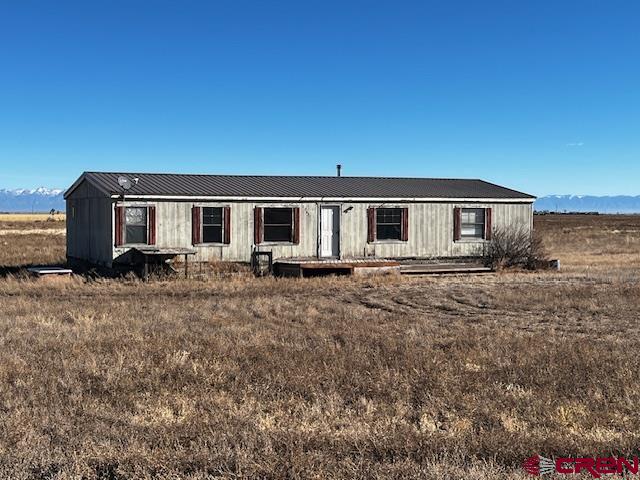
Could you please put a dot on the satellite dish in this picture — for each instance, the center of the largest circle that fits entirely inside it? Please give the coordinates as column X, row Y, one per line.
column 125, row 183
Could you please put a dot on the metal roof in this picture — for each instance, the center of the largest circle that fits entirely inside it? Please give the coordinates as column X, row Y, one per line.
column 256, row 186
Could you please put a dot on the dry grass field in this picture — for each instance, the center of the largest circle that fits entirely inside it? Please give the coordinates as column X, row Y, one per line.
column 31, row 217
column 236, row 377
column 32, row 223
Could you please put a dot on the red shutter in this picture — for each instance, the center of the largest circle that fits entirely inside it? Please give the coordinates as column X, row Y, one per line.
column 227, row 224
column 457, row 224
column 296, row 226
column 151, row 219
column 404, row 234
column 195, row 225
column 257, row 225
column 119, row 225
column 487, row 224
column 371, row 224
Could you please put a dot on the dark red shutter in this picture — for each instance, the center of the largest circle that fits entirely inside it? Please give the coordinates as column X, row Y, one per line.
column 487, row 223
column 371, row 224
column 151, row 219
column 404, row 234
column 119, row 225
column 196, row 224
column 227, row 224
column 457, row 223
column 296, row 226
column 257, row 225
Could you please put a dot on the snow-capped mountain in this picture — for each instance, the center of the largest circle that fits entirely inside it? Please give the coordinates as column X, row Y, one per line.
column 44, row 199
column 40, row 199
column 589, row 203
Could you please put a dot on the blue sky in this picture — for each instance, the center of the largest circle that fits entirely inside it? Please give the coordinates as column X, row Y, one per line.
column 540, row 96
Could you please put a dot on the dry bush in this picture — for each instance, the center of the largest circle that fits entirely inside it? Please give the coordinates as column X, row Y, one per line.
column 515, row 247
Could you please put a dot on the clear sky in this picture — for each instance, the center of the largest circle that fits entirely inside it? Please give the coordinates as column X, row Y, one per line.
column 540, row 96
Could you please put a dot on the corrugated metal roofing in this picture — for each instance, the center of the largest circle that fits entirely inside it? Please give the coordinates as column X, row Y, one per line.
column 170, row 184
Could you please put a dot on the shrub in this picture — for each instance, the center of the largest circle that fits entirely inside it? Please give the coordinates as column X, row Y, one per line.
column 515, row 247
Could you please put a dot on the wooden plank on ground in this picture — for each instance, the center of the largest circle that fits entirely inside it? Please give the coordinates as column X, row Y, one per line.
column 437, row 268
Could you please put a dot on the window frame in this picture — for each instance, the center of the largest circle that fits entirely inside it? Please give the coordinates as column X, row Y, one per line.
column 399, row 223
column 483, row 225
column 202, row 225
column 404, row 223
column 125, row 242
column 291, row 225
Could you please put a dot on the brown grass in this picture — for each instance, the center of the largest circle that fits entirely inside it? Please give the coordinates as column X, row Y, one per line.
column 31, row 217
column 449, row 377
column 31, row 223
column 18, row 249
column 593, row 243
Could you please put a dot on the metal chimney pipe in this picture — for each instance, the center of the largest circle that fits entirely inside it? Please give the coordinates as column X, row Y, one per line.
column 338, row 169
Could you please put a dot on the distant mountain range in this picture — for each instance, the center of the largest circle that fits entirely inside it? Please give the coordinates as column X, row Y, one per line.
column 44, row 199
column 37, row 200
column 589, row 203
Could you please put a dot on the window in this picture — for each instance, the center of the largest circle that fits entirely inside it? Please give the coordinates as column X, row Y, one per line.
column 212, row 225
column 388, row 223
column 472, row 223
column 135, row 220
column 278, row 224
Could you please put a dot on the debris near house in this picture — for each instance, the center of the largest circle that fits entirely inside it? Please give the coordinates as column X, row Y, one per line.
column 49, row 273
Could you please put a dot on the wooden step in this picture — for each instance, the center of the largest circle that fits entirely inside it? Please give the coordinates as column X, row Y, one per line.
column 441, row 268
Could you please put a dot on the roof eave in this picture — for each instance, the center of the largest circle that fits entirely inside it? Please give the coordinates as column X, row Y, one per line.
column 134, row 196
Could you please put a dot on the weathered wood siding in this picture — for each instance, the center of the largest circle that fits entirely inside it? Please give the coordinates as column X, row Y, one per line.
column 173, row 221
column 89, row 217
column 430, row 230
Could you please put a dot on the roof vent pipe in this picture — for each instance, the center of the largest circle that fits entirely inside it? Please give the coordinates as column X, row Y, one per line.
column 338, row 169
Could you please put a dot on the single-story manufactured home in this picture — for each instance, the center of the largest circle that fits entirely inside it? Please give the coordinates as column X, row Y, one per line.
column 229, row 217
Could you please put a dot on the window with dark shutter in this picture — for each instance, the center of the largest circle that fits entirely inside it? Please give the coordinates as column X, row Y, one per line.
column 278, row 224
column 212, row 224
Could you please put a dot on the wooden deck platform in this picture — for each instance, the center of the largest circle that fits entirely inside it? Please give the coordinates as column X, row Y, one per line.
column 154, row 258
column 305, row 267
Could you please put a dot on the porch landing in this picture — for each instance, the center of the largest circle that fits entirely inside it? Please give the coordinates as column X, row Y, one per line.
column 306, row 267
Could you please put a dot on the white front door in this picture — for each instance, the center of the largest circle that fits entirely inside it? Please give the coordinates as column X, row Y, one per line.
column 329, row 231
